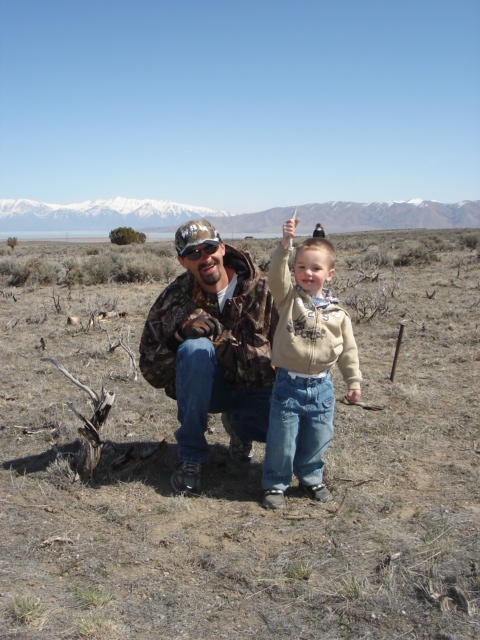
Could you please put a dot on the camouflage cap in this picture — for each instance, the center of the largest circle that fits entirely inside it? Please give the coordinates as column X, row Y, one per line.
column 195, row 232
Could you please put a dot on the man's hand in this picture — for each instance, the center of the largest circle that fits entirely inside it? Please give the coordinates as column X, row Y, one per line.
column 200, row 325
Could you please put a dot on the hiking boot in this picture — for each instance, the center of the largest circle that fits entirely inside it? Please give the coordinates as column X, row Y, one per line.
column 318, row 492
column 186, row 478
column 240, row 451
column 273, row 499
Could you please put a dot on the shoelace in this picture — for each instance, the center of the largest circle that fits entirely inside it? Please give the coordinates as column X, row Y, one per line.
column 190, row 468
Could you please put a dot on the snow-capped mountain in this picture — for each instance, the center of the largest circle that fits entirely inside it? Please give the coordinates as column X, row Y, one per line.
column 342, row 217
column 101, row 216
column 97, row 215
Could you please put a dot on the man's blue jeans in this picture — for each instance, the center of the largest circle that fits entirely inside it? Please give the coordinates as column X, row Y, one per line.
column 202, row 389
column 300, row 430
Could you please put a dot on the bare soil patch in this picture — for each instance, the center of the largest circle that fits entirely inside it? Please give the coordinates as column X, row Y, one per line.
column 397, row 555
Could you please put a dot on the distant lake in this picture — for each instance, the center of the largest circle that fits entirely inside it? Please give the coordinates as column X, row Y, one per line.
column 99, row 236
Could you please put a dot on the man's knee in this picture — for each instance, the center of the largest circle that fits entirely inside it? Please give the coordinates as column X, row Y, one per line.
column 199, row 349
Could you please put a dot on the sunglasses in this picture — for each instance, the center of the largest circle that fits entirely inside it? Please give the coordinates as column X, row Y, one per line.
column 195, row 254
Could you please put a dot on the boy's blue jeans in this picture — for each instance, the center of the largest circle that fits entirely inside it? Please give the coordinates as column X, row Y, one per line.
column 300, row 430
column 202, row 389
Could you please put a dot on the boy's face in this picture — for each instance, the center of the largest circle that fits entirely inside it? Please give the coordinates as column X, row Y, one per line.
column 312, row 269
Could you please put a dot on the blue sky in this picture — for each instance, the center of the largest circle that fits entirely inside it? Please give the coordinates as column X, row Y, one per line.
column 240, row 105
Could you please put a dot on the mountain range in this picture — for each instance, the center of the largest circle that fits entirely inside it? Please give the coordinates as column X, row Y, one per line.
column 101, row 216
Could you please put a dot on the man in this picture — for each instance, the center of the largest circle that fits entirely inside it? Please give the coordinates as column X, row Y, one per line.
column 207, row 342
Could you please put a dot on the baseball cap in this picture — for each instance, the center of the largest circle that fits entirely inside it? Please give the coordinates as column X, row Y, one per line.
column 195, row 232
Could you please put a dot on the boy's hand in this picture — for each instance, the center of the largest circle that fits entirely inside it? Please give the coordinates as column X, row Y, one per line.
column 353, row 395
column 289, row 227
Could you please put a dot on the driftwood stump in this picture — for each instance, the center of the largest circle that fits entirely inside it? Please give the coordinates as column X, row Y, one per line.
column 92, row 445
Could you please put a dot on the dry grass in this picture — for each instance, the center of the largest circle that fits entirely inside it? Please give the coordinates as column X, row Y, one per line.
column 396, row 555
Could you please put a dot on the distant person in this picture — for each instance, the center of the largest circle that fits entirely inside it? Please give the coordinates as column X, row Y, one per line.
column 313, row 333
column 207, row 342
column 319, row 231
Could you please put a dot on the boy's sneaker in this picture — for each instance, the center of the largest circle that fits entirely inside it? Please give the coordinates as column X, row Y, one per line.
column 273, row 499
column 186, row 478
column 240, row 451
column 317, row 492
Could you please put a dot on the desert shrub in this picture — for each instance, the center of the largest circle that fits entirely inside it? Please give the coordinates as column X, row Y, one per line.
column 140, row 269
column 438, row 243
column 170, row 269
column 262, row 259
column 6, row 268
column 129, row 266
column 126, row 235
column 12, row 243
column 369, row 302
column 74, row 272
column 369, row 264
column 166, row 249
column 32, row 271
column 469, row 240
column 260, row 250
column 102, row 269
column 415, row 254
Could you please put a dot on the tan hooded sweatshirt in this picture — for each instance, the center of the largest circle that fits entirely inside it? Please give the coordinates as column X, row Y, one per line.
column 307, row 339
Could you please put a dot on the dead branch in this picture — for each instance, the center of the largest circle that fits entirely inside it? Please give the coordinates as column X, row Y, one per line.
column 121, row 343
column 91, row 450
column 475, row 304
column 419, row 323
column 335, row 512
column 32, row 432
column 306, row 516
column 56, row 302
column 363, row 405
column 368, row 304
column 453, row 596
column 127, row 462
column 59, row 366
column 13, row 323
column 50, row 541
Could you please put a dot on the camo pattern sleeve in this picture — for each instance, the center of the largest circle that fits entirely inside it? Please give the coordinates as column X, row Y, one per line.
column 158, row 344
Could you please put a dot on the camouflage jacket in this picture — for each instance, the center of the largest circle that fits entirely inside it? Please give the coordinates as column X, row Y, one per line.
column 248, row 322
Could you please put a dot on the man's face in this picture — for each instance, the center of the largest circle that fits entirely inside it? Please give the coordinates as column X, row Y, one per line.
column 208, row 269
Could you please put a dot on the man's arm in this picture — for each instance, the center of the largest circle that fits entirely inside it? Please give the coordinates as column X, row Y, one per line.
column 158, row 344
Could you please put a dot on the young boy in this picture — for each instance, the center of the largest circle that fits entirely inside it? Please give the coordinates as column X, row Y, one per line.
column 312, row 334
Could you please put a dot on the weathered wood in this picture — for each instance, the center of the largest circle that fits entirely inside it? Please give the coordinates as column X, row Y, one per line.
column 92, row 445
column 127, row 462
column 397, row 350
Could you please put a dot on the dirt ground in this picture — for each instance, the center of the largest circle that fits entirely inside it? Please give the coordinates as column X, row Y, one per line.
column 396, row 555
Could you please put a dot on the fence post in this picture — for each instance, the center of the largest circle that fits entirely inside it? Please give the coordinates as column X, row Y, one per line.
column 397, row 349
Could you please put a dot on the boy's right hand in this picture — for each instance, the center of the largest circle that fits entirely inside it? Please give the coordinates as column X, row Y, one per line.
column 289, row 227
